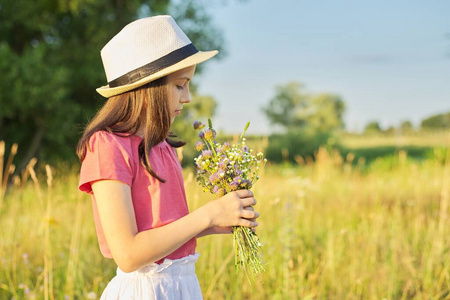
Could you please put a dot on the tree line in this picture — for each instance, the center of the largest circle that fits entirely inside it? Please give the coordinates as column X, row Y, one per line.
column 308, row 121
column 50, row 65
column 434, row 122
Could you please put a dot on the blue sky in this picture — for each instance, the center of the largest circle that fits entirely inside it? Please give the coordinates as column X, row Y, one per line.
column 388, row 60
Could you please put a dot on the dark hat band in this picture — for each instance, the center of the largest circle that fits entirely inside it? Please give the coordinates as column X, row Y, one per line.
column 154, row 66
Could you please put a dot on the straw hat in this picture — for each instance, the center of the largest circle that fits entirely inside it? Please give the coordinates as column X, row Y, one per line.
column 145, row 50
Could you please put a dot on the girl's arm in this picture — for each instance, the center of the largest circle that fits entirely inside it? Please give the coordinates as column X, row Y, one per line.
column 132, row 250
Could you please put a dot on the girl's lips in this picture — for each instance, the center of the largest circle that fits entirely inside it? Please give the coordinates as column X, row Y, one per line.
column 178, row 111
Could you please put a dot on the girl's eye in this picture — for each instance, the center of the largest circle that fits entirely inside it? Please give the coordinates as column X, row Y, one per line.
column 180, row 87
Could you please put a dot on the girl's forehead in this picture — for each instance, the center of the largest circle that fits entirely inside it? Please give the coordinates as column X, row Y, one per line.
column 185, row 73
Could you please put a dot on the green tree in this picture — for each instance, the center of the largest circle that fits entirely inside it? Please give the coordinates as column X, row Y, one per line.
column 50, row 64
column 308, row 121
column 439, row 121
column 390, row 130
column 328, row 112
column 294, row 109
column 290, row 106
column 406, row 126
column 372, row 127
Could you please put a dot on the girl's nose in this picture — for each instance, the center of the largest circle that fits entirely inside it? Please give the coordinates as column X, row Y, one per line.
column 186, row 97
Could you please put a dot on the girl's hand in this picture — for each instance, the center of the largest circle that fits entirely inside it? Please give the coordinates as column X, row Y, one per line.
column 223, row 230
column 233, row 209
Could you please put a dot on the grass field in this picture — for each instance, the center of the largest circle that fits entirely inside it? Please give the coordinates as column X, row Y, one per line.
column 332, row 229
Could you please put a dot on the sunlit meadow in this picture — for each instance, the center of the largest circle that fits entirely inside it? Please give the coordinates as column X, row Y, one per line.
column 332, row 229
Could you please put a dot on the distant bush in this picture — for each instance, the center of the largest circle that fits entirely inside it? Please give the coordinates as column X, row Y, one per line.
column 372, row 127
column 436, row 121
column 417, row 153
column 292, row 144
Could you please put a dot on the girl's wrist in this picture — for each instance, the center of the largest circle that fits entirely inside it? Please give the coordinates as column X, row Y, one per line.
column 204, row 216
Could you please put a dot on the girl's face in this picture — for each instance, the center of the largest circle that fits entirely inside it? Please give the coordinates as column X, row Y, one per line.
column 178, row 90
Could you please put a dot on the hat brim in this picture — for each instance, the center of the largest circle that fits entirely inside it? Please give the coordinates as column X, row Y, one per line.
column 194, row 59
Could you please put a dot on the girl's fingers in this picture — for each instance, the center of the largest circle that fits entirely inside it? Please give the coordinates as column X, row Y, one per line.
column 248, row 223
column 244, row 193
column 241, row 213
column 248, row 201
column 249, row 214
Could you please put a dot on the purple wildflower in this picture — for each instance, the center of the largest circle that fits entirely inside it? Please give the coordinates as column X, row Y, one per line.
column 196, row 124
column 214, row 178
column 218, row 191
column 223, row 164
column 245, row 149
column 234, row 185
column 237, row 171
column 207, row 154
column 199, row 146
column 201, row 134
column 226, row 146
column 209, row 135
column 237, row 180
column 246, row 184
column 215, row 189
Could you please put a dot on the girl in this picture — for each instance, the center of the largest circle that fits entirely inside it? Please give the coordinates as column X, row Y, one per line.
column 130, row 168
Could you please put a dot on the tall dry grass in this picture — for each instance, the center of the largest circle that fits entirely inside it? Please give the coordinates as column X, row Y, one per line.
column 331, row 229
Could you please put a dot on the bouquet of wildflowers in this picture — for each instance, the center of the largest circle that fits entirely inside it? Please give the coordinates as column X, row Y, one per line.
column 223, row 168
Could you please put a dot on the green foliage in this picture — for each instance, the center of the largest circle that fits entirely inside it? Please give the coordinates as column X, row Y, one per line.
column 387, row 156
column 294, row 109
column 417, row 145
column 328, row 112
column 50, row 65
column 32, row 103
column 406, row 126
column 308, row 120
column 286, row 147
column 372, row 127
column 439, row 154
column 289, row 106
column 436, row 121
column 370, row 154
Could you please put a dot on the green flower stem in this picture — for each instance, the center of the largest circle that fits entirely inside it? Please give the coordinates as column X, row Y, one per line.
column 245, row 129
column 247, row 250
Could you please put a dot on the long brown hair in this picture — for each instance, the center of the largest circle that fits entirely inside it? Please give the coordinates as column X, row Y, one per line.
column 124, row 114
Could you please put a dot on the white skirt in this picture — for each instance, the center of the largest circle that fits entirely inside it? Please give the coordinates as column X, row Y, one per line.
column 171, row 280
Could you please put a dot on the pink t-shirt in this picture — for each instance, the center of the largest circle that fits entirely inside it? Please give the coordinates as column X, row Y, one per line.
column 155, row 204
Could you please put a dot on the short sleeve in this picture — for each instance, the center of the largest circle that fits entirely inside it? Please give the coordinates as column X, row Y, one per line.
column 107, row 157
